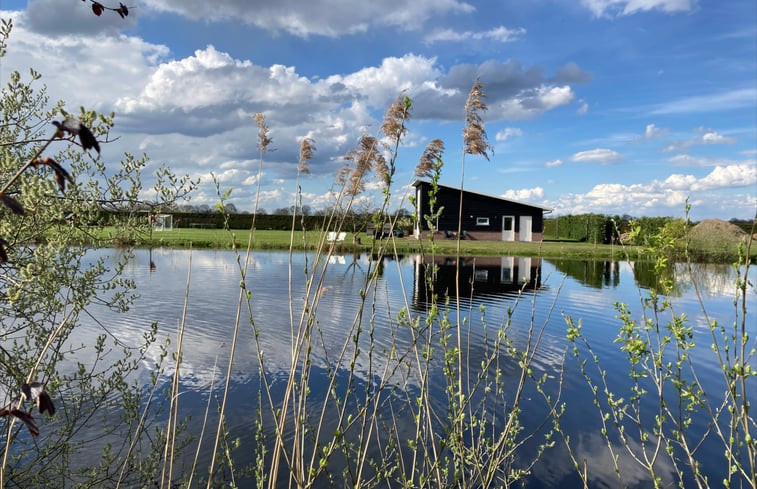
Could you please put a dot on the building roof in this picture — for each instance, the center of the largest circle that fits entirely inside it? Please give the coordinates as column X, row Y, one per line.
column 543, row 208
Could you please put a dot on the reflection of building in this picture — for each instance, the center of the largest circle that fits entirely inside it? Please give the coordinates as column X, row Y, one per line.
column 484, row 217
column 479, row 275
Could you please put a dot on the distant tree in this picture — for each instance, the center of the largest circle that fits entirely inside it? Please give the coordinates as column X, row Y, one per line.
column 230, row 208
column 282, row 211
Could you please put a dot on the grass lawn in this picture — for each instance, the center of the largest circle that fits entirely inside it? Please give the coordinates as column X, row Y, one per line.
column 270, row 239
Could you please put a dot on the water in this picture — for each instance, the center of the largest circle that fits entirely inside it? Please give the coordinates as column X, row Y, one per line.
column 535, row 292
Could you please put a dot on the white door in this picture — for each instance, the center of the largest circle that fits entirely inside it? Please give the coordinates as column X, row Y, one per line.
column 507, row 269
column 524, row 270
column 525, row 228
column 508, row 228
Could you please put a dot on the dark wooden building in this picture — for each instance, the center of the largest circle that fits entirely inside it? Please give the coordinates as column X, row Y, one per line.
column 484, row 217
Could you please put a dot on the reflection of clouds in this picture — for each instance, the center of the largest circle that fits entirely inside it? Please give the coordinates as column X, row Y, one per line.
column 215, row 290
column 592, row 448
column 713, row 279
column 214, row 294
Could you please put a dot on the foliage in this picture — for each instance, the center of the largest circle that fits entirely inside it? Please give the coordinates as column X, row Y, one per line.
column 50, row 283
column 592, row 228
column 653, row 419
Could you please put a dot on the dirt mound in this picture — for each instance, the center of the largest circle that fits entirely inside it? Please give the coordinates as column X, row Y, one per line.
column 716, row 231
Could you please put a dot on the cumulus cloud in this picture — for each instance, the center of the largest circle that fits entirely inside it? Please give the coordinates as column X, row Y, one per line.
column 498, row 34
column 524, row 194
column 598, row 155
column 513, row 92
column 533, row 102
column 192, row 112
column 553, row 163
column 583, row 107
column 706, row 136
column 712, row 194
column 108, row 65
column 50, row 18
column 507, row 134
column 331, row 18
column 601, row 8
column 731, row 176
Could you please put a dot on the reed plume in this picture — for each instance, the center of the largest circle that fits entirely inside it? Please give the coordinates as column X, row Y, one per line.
column 430, row 158
column 263, row 138
column 474, row 135
column 307, row 147
column 365, row 157
column 395, row 119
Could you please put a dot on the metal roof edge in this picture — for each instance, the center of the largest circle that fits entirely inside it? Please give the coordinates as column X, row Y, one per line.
column 547, row 210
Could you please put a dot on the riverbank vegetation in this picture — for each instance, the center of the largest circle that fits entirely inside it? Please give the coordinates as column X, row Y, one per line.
column 714, row 246
column 360, row 414
column 580, row 236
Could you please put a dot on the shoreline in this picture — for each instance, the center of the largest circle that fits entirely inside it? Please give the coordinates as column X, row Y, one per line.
column 353, row 243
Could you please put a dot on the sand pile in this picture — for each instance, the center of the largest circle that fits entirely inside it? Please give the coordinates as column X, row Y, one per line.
column 713, row 231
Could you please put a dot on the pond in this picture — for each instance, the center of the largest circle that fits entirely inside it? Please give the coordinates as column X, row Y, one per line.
column 527, row 297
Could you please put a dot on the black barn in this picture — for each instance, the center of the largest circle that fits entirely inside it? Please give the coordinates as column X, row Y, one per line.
column 485, row 217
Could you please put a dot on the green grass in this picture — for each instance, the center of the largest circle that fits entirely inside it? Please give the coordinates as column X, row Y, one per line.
column 276, row 239
column 716, row 252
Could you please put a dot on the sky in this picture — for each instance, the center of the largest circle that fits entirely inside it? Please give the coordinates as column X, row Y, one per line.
column 605, row 106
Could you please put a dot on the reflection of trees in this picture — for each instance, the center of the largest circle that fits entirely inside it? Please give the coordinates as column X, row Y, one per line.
column 480, row 275
column 715, row 279
column 594, row 273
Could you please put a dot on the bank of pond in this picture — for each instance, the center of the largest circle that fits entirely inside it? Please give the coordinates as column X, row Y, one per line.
column 713, row 252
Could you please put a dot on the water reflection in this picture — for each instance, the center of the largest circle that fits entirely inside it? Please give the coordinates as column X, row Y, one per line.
column 479, row 276
column 583, row 289
column 592, row 273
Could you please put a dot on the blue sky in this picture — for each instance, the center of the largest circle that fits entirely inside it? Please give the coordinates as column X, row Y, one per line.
column 608, row 106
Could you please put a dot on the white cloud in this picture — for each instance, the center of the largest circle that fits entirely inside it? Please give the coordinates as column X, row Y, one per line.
column 553, row 163
column 48, row 17
column 382, row 84
column 711, row 195
column 688, row 160
column 111, row 65
column 712, row 137
column 331, row 18
column 508, row 133
column 598, row 155
column 679, row 182
column 498, row 34
column 533, row 102
column 743, row 175
column 524, row 194
column 199, row 75
column 732, row 99
column 653, row 132
column 707, row 136
column 601, row 8
column 583, row 108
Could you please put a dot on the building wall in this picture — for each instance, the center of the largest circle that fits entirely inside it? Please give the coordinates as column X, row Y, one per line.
column 478, row 208
column 481, row 236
